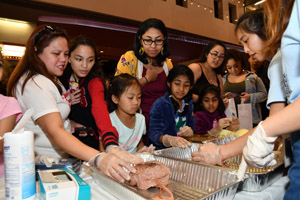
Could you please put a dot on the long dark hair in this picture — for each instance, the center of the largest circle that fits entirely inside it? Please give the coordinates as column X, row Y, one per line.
column 181, row 70
column 238, row 56
column 144, row 27
column 31, row 64
column 96, row 70
column 206, row 51
column 252, row 22
column 118, row 86
column 210, row 89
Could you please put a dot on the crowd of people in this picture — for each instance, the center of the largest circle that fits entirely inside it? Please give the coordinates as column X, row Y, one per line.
column 150, row 104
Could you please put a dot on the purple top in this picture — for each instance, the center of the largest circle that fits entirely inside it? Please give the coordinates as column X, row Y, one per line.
column 204, row 121
column 151, row 92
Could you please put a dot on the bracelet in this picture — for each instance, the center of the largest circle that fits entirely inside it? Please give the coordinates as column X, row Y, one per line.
column 96, row 158
column 146, row 80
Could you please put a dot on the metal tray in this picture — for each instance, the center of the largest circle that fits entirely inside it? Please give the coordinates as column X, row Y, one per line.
column 258, row 178
column 178, row 152
column 188, row 180
column 221, row 140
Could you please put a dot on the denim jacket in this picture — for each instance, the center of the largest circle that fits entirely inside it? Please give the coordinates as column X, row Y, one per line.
column 162, row 120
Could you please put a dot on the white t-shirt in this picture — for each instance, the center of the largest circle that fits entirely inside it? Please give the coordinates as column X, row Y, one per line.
column 43, row 96
column 129, row 138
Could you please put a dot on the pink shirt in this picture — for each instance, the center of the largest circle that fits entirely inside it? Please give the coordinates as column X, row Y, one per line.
column 8, row 106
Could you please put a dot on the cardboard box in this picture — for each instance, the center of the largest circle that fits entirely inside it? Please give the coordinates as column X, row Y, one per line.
column 58, row 184
column 74, row 163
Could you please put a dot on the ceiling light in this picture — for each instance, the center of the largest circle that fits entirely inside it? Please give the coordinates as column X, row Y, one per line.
column 13, row 50
column 259, row 2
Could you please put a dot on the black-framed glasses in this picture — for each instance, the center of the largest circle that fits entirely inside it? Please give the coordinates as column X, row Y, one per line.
column 156, row 42
column 46, row 29
column 215, row 56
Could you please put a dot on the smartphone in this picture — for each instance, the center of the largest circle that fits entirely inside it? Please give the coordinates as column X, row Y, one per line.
column 232, row 95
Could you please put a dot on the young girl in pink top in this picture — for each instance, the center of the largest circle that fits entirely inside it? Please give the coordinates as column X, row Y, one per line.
column 10, row 112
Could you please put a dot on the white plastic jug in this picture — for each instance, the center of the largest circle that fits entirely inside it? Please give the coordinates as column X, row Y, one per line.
column 19, row 165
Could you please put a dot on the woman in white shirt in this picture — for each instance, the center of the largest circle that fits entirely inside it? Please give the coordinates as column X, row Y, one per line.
column 35, row 84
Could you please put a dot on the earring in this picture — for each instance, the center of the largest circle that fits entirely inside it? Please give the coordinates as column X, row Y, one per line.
column 162, row 51
column 141, row 51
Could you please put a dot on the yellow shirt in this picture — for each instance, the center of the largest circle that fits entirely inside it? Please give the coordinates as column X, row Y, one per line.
column 129, row 64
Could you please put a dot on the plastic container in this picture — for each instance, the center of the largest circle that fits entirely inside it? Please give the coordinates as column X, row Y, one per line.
column 19, row 165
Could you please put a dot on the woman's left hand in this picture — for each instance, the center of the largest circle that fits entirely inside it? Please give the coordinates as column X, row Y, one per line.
column 185, row 131
column 245, row 96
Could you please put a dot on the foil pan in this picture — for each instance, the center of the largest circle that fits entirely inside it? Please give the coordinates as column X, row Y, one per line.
column 221, row 140
column 177, row 152
column 258, row 178
column 188, row 181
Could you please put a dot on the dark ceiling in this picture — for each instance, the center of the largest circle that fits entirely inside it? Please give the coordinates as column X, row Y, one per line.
column 114, row 36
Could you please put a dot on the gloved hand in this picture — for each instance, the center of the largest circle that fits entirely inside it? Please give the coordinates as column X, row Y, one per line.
column 208, row 153
column 259, row 148
column 174, row 141
column 235, row 123
column 47, row 160
column 149, row 149
column 112, row 166
column 124, row 155
column 222, row 123
column 185, row 131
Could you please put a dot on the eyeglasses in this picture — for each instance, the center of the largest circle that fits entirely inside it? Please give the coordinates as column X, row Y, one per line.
column 156, row 42
column 46, row 29
column 1, row 63
column 215, row 56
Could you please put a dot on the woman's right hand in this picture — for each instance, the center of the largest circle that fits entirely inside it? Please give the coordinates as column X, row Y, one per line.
column 124, row 155
column 208, row 153
column 75, row 96
column 113, row 166
column 151, row 75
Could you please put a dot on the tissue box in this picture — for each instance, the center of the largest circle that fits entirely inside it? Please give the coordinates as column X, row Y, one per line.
column 73, row 163
column 57, row 184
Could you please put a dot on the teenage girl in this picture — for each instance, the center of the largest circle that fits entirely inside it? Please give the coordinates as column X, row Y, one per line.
column 125, row 101
column 210, row 117
column 89, row 114
column 171, row 115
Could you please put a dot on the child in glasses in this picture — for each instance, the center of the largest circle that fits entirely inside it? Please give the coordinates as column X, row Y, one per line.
column 171, row 115
column 125, row 101
column 209, row 113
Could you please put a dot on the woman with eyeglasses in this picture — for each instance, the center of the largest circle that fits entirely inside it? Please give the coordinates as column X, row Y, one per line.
column 243, row 85
column 148, row 62
column 208, row 70
column 35, row 84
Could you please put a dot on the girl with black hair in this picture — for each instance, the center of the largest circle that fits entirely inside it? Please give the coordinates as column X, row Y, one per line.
column 210, row 117
column 171, row 115
column 148, row 62
column 124, row 101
